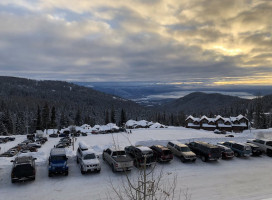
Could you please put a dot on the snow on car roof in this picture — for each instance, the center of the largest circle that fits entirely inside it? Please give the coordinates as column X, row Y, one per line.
column 57, row 151
column 89, row 151
column 83, row 145
column 143, row 148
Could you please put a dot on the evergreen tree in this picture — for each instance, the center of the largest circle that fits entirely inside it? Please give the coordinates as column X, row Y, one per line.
column 107, row 117
column 45, row 117
column 3, row 129
column 113, row 115
column 38, row 119
column 7, row 121
column 53, row 123
column 78, row 118
column 123, row 118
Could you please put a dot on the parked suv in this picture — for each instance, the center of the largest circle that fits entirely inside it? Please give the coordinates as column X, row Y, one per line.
column 23, row 169
column 205, row 150
column 139, row 153
column 182, row 151
column 265, row 145
column 256, row 150
column 239, row 149
column 227, row 153
column 162, row 153
column 88, row 161
column 58, row 162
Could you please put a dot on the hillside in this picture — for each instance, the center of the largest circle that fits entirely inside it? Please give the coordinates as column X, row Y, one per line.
column 20, row 98
column 202, row 103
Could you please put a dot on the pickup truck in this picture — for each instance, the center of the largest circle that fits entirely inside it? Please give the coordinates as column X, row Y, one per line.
column 265, row 145
column 117, row 159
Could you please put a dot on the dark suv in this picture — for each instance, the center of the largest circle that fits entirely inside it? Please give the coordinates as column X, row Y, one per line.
column 239, row 149
column 162, row 153
column 205, row 150
column 139, row 153
column 23, row 169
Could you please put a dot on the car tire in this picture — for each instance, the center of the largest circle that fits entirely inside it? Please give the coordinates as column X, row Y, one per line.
column 13, row 181
column 77, row 160
column 203, row 158
column 103, row 157
column 66, row 173
column 182, row 159
column 98, row 171
column 194, row 160
column 82, row 171
column 236, row 154
column 113, row 169
column 49, row 174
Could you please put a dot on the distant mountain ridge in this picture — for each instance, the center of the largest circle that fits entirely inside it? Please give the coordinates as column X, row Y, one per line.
column 199, row 103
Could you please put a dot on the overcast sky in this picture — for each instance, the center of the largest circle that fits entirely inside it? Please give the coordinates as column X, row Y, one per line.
column 206, row 42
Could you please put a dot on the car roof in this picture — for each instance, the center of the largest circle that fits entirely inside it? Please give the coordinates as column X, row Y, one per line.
column 83, row 145
column 23, row 159
column 89, row 151
column 161, row 147
column 206, row 144
column 57, row 152
column 222, row 146
column 143, row 148
column 178, row 143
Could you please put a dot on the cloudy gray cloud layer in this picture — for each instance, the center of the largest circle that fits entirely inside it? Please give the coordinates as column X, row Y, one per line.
column 209, row 41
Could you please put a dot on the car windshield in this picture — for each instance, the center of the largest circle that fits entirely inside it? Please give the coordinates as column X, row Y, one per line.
column 89, row 156
column 58, row 158
column 23, row 167
column 215, row 150
column 185, row 149
column 148, row 153
column 118, row 153
column 269, row 144
column 167, row 152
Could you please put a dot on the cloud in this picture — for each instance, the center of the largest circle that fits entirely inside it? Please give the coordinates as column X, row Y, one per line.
column 216, row 42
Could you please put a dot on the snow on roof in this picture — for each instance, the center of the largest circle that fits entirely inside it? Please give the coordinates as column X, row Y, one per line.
column 157, row 125
column 207, row 118
column 85, row 126
column 223, row 125
column 193, row 118
column 50, row 131
column 131, row 122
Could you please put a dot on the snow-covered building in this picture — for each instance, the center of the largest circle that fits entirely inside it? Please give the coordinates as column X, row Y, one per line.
column 235, row 124
column 132, row 124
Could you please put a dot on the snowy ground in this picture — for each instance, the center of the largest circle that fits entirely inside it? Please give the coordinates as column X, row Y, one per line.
column 239, row 178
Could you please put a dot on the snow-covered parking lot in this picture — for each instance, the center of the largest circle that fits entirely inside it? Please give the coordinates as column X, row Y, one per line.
column 239, row 178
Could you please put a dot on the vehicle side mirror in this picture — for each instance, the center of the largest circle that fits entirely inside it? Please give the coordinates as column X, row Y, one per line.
column 12, row 161
column 97, row 156
column 34, row 158
column 66, row 158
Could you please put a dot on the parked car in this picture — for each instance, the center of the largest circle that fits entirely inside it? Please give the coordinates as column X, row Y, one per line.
column 76, row 134
column 216, row 131
column 58, row 162
column 60, row 145
column 256, row 150
column 162, row 153
column 229, row 135
column 36, row 145
column 84, row 134
column 227, row 153
column 117, row 159
column 182, row 151
column 265, row 145
column 54, row 135
column 30, row 136
column 23, row 169
column 10, row 138
column 239, row 149
column 88, row 161
column 205, row 150
column 141, row 155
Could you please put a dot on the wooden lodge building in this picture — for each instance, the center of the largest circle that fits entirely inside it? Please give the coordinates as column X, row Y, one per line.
column 235, row 124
